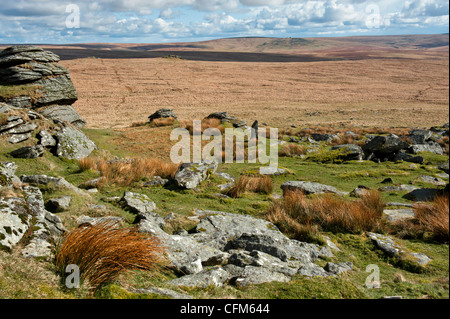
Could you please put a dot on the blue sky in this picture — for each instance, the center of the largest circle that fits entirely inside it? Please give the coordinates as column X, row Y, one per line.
column 155, row 21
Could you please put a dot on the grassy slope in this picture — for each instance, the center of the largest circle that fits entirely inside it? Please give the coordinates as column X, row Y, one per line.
column 357, row 249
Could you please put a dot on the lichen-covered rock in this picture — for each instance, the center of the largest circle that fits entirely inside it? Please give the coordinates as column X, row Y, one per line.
column 350, row 152
column 190, row 175
column 14, row 221
column 7, row 174
column 210, row 277
column 394, row 249
column 73, row 144
column 143, row 207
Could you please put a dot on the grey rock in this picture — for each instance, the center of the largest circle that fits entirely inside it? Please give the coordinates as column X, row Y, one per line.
column 423, row 194
column 58, row 205
column 16, row 55
column 431, row 180
column 18, row 138
column 63, row 113
column 25, row 128
column 93, row 183
column 393, row 249
column 385, row 145
column 399, row 214
column 310, row 188
column 324, row 137
column 156, row 181
column 7, row 174
column 313, row 270
column 431, row 147
column 14, row 221
column 163, row 113
column 445, row 168
column 58, row 182
column 226, row 176
column 29, row 152
column 404, row 156
column 143, row 207
column 210, row 277
column 338, row 269
column 350, row 152
column 73, row 144
column 224, row 117
column 46, row 139
column 30, row 72
column 56, row 90
column 11, row 124
column 190, row 175
column 257, row 275
column 418, row 136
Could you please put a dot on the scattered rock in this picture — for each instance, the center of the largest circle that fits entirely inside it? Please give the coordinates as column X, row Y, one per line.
column 310, row 188
column 190, row 175
column 7, row 174
column 224, row 117
column 143, row 207
column 58, row 205
column 163, row 113
column 210, row 277
column 350, row 152
column 431, row 147
column 393, row 249
column 28, row 152
column 73, row 144
column 46, row 139
column 399, row 214
column 431, row 180
column 337, row 269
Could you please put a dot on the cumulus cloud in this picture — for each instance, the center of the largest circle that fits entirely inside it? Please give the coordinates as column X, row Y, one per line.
column 141, row 20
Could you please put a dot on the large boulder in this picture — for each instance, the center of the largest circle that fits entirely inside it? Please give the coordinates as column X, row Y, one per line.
column 7, row 174
column 385, row 145
column 33, row 68
column 73, row 144
column 190, row 175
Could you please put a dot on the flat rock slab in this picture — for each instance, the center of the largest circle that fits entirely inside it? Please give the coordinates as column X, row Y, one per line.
column 399, row 214
column 394, row 249
column 310, row 188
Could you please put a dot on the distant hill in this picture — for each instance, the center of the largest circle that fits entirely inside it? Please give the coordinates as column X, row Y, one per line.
column 270, row 49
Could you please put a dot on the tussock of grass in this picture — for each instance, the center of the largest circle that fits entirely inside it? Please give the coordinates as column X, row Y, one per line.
column 128, row 172
column 254, row 184
column 292, row 150
column 431, row 222
column 298, row 215
column 102, row 252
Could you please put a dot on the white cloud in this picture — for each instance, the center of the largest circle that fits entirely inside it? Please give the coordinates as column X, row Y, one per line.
column 28, row 20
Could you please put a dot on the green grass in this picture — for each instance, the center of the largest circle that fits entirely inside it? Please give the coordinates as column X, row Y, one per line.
column 346, row 176
column 12, row 91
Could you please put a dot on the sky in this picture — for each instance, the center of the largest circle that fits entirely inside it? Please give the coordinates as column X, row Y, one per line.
column 159, row 21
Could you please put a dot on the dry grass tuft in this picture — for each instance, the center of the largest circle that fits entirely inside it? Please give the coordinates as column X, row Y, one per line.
column 254, row 184
column 329, row 213
column 103, row 252
column 163, row 122
column 434, row 218
column 128, row 172
column 206, row 124
column 292, row 150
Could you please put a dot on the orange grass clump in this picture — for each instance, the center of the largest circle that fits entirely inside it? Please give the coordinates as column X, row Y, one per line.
column 127, row 172
column 103, row 252
column 254, row 184
column 328, row 212
column 434, row 218
column 292, row 150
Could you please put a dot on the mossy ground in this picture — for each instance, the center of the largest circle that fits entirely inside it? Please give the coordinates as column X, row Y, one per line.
column 395, row 280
